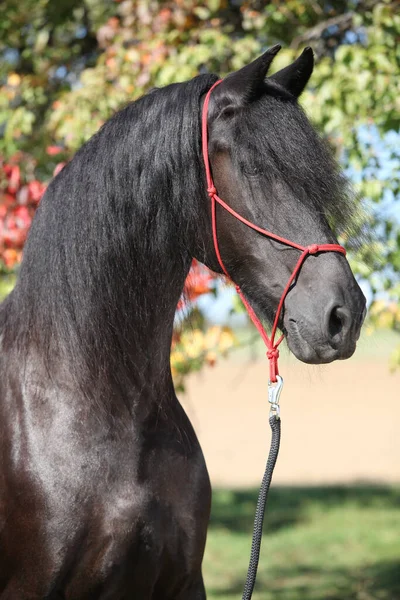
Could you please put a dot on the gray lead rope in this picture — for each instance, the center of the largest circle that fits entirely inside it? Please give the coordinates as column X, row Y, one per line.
column 275, row 423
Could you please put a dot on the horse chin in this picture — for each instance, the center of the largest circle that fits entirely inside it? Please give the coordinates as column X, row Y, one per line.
column 313, row 352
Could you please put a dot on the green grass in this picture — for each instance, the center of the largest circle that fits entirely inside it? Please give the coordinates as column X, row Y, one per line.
column 320, row 543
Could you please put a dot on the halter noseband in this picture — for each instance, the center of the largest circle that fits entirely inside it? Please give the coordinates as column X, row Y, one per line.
column 272, row 346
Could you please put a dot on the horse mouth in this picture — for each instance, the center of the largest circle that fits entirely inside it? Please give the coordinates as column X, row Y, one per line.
column 314, row 353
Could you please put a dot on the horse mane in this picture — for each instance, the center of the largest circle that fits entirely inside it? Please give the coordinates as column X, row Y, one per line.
column 111, row 227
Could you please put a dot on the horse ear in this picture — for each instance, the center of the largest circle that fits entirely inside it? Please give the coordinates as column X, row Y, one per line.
column 245, row 84
column 294, row 77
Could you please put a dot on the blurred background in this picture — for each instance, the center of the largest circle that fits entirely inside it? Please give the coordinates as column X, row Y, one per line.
column 333, row 524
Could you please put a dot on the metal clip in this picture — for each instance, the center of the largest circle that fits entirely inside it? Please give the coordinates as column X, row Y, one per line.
column 274, row 392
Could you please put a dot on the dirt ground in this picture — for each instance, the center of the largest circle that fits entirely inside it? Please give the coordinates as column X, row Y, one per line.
column 340, row 422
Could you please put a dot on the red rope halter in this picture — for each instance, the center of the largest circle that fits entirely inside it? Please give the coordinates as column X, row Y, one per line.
column 272, row 346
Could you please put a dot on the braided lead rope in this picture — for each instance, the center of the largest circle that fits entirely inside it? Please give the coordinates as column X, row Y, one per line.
column 275, row 423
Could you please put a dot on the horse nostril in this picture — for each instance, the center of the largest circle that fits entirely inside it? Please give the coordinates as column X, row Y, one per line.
column 339, row 321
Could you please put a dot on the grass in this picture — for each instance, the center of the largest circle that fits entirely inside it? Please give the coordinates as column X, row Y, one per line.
column 320, row 543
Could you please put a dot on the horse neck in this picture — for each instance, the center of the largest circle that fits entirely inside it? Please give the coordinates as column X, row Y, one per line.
column 113, row 328
column 102, row 275
column 111, row 245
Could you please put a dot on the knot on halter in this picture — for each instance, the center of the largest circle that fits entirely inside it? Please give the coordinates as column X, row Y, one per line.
column 211, row 191
column 273, row 354
column 313, row 249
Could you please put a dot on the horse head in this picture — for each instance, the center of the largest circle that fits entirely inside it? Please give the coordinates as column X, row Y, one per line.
column 270, row 166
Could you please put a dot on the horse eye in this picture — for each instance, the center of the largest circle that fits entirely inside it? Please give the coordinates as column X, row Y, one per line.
column 227, row 112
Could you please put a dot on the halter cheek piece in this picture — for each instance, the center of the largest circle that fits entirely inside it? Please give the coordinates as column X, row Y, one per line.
column 272, row 346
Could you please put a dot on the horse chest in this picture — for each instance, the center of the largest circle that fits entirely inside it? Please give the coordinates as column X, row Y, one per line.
column 111, row 513
column 147, row 525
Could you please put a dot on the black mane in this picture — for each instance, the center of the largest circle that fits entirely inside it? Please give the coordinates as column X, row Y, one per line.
column 113, row 224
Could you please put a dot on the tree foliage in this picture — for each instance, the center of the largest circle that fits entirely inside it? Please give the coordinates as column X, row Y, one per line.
column 66, row 66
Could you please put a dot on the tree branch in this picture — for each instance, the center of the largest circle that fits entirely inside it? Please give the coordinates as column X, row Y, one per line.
column 343, row 21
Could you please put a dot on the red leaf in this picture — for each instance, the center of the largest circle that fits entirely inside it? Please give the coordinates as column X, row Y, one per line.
column 53, row 150
column 36, row 189
column 58, row 168
column 15, row 179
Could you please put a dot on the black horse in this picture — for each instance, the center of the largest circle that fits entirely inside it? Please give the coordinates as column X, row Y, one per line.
column 104, row 493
